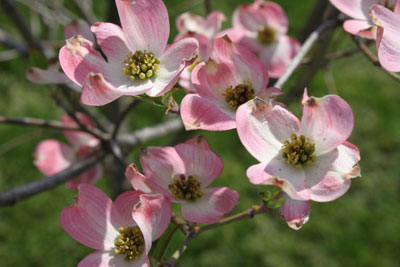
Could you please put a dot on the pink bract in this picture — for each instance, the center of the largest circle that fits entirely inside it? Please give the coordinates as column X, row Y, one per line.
column 262, row 27
column 52, row 75
column 145, row 29
column 52, row 156
column 95, row 221
column 388, row 35
column 204, row 31
column 167, row 168
column 361, row 23
column 232, row 67
column 327, row 122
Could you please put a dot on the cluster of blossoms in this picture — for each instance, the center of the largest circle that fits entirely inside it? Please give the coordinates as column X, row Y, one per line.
column 375, row 19
column 226, row 75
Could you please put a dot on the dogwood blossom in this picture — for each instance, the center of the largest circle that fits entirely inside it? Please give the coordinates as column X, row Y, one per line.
column 182, row 174
column 388, row 35
column 309, row 160
column 138, row 60
column 262, row 27
column 52, row 156
column 360, row 23
column 52, row 74
column 232, row 77
column 204, row 31
column 121, row 232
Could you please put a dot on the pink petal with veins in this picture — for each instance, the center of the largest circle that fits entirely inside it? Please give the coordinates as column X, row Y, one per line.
column 328, row 121
column 52, row 156
column 295, row 212
column 145, row 23
column 213, row 206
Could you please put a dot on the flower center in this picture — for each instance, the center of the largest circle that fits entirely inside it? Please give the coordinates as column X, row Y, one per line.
column 186, row 188
column 266, row 35
column 129, row 242
column 141, row 65
column 240, row 94
column 299, row 151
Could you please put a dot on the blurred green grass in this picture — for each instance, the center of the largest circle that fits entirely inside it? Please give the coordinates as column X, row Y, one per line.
column 360, row 229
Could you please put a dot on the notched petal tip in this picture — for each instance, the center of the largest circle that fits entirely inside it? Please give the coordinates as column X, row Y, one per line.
column 79, row 45
column 258, row 104
column 355, row 172
column 309, row 101
column 227, row 39
column 298, row 224
column 190, row 126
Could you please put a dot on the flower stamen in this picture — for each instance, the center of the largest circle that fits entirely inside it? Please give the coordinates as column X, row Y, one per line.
column 129, row 242
column 141, row 65
column 299, row 151
column 186, row 188
column 266, row 35
column 238, row 95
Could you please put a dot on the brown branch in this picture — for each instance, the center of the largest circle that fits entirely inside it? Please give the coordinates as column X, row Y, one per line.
column 314, row 19
column 317, row 58
column 305, row 48
column 15, row 195
column 122, row 116
column 146, row 134
column 71, row 113
column 84, row 7
column 374, row 60
column 208, row 6
column 14, row 14
column 38, row 123
column 8, row 41
column 334, row 56
column 248, row 214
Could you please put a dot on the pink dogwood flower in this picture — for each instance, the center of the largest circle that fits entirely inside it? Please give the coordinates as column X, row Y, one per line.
column 52, row 75
column 361, row 23
column 121, row 232
column 262, row 27
column 52, row 156
column 234, row 76
column 388, row 35
column 204, row 31
column 309, row 160
column 138, row 60
column 182, row 174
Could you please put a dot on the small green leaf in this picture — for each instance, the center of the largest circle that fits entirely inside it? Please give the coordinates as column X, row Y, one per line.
column 164, row 241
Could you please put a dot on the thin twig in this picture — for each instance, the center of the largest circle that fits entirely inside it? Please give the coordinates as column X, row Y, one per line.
column 146, row 134
column 183, row 226
column 85, row 9
column 317, row 57
column 122, row 116
column 8, row 41
column 52, row 17
column 374, row 60
column 19, row 141
column 117, row 152
column 308, row 44
column 248, row 214
column 71, row 113
column 208, row 6
column 334, row 56
column 14, row 14
column 15, row 195
column 38, row 123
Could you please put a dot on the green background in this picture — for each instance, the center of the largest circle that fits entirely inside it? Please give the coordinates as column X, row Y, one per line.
column 362, row 228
